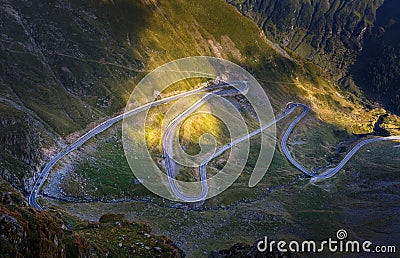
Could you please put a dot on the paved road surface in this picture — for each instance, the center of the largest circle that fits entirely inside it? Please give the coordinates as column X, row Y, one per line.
column 170, row 165
column 333, row 171
column 169, row 162
column 32, row 198
column 289, row 109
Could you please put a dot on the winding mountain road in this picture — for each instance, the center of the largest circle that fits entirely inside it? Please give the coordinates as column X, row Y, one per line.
column 168, row 161
column 333, row 171
column 32, row 198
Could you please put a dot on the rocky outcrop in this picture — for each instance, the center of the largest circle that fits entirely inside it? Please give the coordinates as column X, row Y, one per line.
column 245, row 250
column 26, row 232
column 21, row 141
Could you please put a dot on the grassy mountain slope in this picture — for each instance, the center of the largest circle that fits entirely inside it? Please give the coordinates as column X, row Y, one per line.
column 172, row 30
column 86, row 60
column 66, row 64
column 61, row 69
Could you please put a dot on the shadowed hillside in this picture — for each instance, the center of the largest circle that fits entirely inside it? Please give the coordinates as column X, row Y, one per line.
column 356, row 42
column 377, row 69
column 328, row 32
